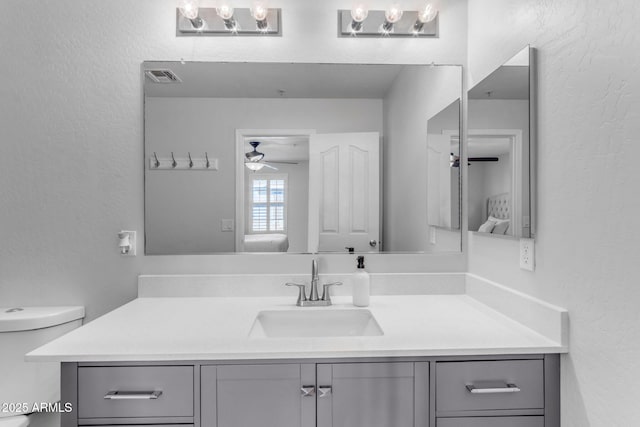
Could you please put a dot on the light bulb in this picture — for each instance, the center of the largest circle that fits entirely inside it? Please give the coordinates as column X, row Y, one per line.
column 359, row 12
column 225, row 11
column 259, row 10
column 427, row 14
column 189, row 8
column 393, row 14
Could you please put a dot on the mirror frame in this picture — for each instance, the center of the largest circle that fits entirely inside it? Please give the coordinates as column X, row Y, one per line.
column 462, row 202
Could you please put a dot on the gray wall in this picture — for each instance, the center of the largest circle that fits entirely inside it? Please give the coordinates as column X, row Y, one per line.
column 416, row 95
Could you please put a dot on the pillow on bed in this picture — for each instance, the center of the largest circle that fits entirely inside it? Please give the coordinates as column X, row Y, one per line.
column 501, row 228
column 487, row 227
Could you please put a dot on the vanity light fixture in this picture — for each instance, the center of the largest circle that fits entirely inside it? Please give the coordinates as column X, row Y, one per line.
column 427, row 14
column 392, row 15
column 359, row 21
column 259, row 10
column 225, row 11
column 189, row 9
column 225, row 20
column 359, row 13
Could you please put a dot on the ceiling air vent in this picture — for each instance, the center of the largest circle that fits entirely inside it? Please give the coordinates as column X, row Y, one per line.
column 162, row 76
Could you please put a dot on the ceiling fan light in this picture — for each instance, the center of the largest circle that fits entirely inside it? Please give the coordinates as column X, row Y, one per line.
column 254, row 166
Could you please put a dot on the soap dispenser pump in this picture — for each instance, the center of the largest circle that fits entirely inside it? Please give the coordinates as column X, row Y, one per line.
column 361, row 285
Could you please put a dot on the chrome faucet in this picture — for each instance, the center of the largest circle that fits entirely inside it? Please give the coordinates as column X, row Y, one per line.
column 313, row 300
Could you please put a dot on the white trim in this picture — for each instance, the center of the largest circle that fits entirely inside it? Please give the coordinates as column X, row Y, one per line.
column 515, row 139
column 241, row 134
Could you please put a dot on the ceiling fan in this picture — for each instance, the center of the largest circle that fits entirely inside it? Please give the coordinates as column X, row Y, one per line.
column 254, row 159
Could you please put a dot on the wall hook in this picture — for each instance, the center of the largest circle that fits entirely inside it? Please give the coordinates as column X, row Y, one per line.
column 173, row 161
column 156, row 162
column 190, row 160
column 206, row 156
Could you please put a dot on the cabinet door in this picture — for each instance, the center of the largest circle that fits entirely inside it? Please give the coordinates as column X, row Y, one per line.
column 366, row 395
column 257, row 395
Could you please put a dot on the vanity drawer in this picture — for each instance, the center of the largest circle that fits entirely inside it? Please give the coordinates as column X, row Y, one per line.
column 491, row 422
column 493, row 385
column 135, row 391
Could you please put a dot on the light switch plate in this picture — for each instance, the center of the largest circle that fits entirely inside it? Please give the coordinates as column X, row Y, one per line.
column 527, row 254
column 432, row 235
column 226, row 225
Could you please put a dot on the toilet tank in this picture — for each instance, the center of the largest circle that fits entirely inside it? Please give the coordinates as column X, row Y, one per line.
column 22, row 330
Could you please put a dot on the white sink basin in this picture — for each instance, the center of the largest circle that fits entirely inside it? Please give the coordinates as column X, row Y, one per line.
column 314, row 323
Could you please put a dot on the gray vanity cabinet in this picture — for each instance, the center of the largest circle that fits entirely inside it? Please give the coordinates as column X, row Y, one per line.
column 373, row 394
column 257, row 395
column 463, row 391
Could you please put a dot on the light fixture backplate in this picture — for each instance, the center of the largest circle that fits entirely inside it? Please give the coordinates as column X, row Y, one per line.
column 215, row 26
column 375, row 19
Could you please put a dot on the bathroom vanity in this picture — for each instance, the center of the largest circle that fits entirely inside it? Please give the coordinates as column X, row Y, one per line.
column 439, row 360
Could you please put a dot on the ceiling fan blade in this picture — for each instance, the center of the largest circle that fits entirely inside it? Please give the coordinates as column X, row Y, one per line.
column 269, row 166
column 283, row 162
column 483, row 159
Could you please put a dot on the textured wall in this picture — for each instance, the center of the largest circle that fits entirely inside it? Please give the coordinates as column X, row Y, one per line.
column 71, row 136
column 588, row 206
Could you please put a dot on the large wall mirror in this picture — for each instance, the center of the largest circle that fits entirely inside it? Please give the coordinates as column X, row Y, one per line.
column 301, row 158
column 501, row 144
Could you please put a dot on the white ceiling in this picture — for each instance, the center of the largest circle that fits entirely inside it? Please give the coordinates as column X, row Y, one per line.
column 272, row 80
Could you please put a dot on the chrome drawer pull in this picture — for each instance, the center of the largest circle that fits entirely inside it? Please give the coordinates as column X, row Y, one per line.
column 131, row 395
column 510, row 388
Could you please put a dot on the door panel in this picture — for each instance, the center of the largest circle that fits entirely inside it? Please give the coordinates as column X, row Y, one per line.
column 257, row 395
column 366, row 395
column 344, row 189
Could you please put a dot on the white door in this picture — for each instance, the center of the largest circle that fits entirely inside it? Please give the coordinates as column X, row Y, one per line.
column 344, row 192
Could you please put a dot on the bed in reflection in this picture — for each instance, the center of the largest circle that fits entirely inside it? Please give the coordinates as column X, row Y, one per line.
column 498, row 215
column 266, row 242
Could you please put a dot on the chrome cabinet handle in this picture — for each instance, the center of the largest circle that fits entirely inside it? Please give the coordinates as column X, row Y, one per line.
column 324, row 390
column 510, row 388
column 308, row 390
column 131, row 395
column 325, row 290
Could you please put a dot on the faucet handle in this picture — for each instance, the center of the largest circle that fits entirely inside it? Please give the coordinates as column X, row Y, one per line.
column 302, row 294
column 325, row 290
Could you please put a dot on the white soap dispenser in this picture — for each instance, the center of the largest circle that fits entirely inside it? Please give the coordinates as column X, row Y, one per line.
column 361, row 285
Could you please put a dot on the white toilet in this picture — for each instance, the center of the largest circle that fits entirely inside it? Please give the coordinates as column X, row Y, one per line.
column 24, row 384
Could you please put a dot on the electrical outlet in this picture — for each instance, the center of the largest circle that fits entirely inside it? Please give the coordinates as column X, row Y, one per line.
column 527, row 254
column 127, row 243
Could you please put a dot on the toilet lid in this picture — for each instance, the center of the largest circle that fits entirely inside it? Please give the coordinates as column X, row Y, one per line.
column 17, row 421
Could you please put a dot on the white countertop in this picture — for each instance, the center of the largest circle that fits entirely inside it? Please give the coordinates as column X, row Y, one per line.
column 205, row 328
